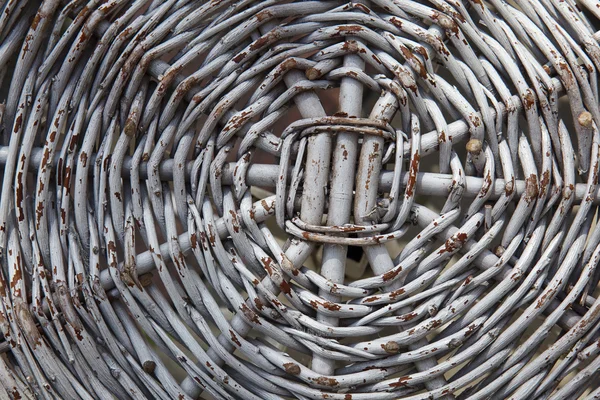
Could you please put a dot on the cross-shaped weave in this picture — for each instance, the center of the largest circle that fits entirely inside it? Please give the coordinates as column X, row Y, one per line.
column 380, row 199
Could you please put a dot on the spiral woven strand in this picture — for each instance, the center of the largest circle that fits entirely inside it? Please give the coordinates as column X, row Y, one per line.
column 299, row 199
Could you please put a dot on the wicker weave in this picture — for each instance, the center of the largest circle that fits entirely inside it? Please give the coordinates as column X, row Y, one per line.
column 299, row 199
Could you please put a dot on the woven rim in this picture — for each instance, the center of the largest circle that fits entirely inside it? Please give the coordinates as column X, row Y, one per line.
column 299, row 199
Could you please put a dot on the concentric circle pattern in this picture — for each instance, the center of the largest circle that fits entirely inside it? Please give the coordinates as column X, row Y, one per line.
column 381, row 199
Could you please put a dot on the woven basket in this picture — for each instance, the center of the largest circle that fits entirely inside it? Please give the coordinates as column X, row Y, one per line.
column 384, row 199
